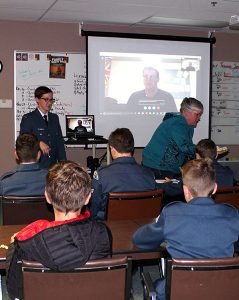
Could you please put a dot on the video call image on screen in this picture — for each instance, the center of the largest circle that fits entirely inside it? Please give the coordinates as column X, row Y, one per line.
column 134, row 82
column 78, row 124
column 146, row 84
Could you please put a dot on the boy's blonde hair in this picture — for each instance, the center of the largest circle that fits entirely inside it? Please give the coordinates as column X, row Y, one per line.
column 199, row 176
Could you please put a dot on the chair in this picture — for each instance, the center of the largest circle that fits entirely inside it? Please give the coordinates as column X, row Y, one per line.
column 228, row 195
column 24, row 209
column 198, row 279
column 102, row 279
column 134, row 205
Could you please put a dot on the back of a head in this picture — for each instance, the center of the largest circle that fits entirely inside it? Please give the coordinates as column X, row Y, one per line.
column 122, row 140
column 27, row 147
column 191, row 104
column 68, row 185
column 199, row 176
column 206, row 148
column 41, row 90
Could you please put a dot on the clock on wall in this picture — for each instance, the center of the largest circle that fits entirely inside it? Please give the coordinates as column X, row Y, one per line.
column 1, row 66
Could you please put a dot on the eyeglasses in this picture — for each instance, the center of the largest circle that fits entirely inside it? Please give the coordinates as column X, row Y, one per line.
column 197, row 113
column 48, row 100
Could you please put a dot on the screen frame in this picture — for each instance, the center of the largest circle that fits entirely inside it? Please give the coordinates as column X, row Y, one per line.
column 211, row 40
column 70, row 133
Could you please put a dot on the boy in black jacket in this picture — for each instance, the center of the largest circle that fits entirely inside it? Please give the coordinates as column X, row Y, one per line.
column 69, row 241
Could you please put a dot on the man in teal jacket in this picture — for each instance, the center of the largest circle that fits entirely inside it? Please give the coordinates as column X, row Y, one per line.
column 171, row 144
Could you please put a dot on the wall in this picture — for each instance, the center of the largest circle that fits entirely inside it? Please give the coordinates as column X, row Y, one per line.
column 27, row 36
column 63, row 37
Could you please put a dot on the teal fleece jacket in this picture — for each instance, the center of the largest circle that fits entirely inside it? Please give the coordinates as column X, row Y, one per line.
column 171, row 144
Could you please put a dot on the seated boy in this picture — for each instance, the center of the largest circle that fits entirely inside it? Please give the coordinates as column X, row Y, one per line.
column 124, row 174
column 28, row 178
column 69, row 241
column 206, row 148
column 196, row 229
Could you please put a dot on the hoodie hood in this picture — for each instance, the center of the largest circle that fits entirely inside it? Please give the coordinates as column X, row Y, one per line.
column 68, row 246
column 170, row 115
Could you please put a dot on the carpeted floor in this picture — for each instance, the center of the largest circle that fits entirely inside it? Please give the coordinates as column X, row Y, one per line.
column 136, row 281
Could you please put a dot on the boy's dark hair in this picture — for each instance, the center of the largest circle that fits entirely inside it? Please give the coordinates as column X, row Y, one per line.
column 122, row 140
column 206, row 148
column 27, row 147
column 41, row 90
column 67, row 186
column 199, row 176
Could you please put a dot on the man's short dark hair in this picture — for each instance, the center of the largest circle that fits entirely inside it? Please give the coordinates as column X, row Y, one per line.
column 41, row 90
column 206, row 148
column 67, row 186
column 122, row 140
column 27, row 147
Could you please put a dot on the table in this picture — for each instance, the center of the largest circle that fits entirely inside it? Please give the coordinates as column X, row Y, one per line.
column 90, row 141
column 122, row 232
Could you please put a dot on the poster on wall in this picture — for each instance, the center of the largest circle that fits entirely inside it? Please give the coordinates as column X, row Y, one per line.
column 57, row 67
column 64, row 73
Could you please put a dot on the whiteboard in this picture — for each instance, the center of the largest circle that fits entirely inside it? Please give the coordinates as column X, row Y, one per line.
column 64, row 73
column 225, row 103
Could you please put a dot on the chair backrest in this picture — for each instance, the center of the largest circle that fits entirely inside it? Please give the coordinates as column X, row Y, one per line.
column 206, row 279
column 101, row 279
column 228, row 195
column 24, row 209
column 123, row 206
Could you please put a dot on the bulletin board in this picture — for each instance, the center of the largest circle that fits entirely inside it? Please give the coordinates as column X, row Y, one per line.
column 225, row 103
column 64, row 73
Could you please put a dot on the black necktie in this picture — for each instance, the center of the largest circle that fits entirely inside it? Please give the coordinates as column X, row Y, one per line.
column 45, row 118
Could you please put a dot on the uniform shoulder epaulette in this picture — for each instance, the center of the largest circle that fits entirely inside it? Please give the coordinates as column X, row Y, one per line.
column 26, row 115
column 103, row 168
column 228, row 204
column 6, row 175
column 173, row 203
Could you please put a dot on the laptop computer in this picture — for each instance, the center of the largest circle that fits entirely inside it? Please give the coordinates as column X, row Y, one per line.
column 80, row 126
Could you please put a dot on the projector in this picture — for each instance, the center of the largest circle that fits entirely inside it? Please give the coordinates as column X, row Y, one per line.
column 234, row 22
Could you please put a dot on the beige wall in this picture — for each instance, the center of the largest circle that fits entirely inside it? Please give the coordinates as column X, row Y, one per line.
column 65, row 37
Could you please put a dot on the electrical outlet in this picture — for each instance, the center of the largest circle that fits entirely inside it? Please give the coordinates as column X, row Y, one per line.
column 5, row 103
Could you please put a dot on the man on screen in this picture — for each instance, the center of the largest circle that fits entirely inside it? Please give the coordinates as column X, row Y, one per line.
column 151, row 98
column 80, row 128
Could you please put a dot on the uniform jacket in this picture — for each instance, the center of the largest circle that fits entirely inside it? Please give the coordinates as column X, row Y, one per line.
column 171, row 144
column 122, row 175
column 224, row 175
column 33, row 122
column 61, row 248
column 25, row 180
column 197, row 229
